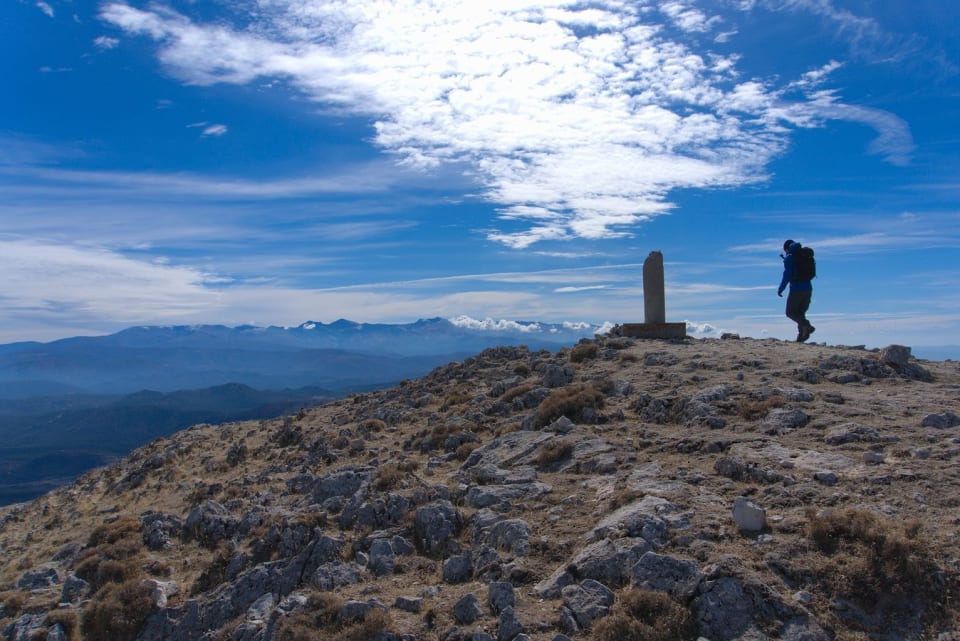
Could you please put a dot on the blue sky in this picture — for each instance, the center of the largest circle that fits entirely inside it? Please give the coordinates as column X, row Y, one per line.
column 273, row 161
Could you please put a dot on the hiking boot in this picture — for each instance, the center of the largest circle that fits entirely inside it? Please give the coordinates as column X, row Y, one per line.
column 805, row 334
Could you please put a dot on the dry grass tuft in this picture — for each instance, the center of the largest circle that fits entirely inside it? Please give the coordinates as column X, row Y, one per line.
column 318, row 621
column 553, row 451
column 754, row 409
column 643, row 615
column 117, row 612
column 584, row 351
column 871, row 560
column 389, row 475
column 112, row 554
column 569, row 401
column 66, row 619
column 514, row 392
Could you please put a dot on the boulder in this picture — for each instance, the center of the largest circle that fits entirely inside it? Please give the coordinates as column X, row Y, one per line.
column 436, row 526
column 39, row 578
column 210, row 523
column 509, row 627
column 588, row 601
column 748, row 516
column 678, row 577
column 458, row 569
column 467, row 609
column 500, row 596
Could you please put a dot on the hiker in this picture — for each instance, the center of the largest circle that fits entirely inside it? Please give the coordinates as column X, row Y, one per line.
column 798, row 270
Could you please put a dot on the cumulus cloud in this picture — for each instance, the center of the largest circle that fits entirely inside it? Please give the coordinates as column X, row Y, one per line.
column 578, row 119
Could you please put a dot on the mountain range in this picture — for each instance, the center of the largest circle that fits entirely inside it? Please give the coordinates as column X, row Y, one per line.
column 340, row 356
column 78, row 403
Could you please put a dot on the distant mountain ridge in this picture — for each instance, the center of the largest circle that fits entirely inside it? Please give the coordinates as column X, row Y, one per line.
column 339, row 355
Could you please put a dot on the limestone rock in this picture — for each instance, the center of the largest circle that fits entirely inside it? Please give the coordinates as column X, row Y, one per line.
column 748, row 516
column 940, row 421
column 678, row 577
column 467, row 609
column 436, row 526
column 39, row 578
column 588, row 601
column 500, row 596
column 509, row 627
column 211, row 523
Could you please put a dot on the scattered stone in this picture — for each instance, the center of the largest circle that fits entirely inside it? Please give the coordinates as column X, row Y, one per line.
column 748, row 516
column 509, row 627
column 588, row 601
column 826, row 478
column 500, row 596
column 467, row 609
column 940, row 421
column 458, row 569
column 854, row 432
column 783, row 421
column 408, row 604
column 436, row 526
column 39, row 578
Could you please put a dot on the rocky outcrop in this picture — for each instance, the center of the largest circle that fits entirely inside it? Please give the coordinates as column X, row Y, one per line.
column 456, row 507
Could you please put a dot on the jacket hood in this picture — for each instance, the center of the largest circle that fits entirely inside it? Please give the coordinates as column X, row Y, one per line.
column 793, row 247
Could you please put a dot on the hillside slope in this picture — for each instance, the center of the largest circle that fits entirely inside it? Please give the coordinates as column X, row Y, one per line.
column 619, row 490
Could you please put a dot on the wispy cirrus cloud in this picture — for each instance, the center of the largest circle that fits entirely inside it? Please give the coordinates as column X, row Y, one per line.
column 578, row 119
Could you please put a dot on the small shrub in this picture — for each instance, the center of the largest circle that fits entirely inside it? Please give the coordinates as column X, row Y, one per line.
column 117, row 612
column 514, row 392
column 13, row 603
column 554, row 451
column 568, row 401
column 112, row 554
column 458, row 396
column 371, row 426
column 373, row 624
column 319, row 614
column 389, row 475
column 584, row 351
column 464, row 451
column 755, row 409
column 873, row 560
column 215, row 573
column 522, row 370
column 643, row 615
column 67, row 619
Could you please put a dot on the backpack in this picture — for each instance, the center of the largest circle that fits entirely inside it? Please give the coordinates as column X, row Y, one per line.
column 804, row 265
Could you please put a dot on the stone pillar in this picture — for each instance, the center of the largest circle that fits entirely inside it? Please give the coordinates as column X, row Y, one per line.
column 654, row 299
column 655, row 323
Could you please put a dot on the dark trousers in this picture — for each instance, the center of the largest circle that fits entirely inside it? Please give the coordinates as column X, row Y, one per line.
column 797, row 305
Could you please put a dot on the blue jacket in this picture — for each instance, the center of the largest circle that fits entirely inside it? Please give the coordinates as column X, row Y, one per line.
column 788, row 271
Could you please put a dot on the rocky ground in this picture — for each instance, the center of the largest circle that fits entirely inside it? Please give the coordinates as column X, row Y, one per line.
column 622, row 489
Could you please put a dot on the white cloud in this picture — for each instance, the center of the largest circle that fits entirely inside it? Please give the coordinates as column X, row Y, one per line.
column 106, row 43
column 45, row 8
column 214, row 130
column 579, row 121
column 46, row 279
column 570, row 290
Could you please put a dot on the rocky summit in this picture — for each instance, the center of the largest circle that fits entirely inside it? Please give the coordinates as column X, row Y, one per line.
column 618, row 490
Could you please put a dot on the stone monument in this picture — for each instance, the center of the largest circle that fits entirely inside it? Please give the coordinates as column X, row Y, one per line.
column 655, row 323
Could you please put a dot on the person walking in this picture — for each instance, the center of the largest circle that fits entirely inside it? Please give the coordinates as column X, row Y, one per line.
column 797, row 274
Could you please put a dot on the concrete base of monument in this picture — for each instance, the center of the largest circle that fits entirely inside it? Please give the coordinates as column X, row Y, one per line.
column 654, row 330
